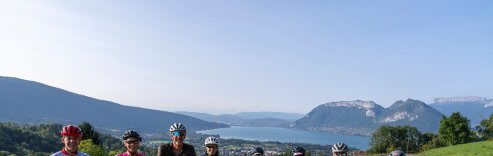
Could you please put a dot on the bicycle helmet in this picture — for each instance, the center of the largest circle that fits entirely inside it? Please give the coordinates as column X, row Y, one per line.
column 258, row 150
column 339, row 147
column 177, row 127
column 211, row 141
column 397, row 153
column 298, row 151
column 133, row 134
column 71, row 130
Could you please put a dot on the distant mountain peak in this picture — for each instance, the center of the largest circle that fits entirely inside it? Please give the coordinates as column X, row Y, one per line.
column 34, row 102
column 362, row 117
column 409, row 103
column 367, row 105
column 460, row 99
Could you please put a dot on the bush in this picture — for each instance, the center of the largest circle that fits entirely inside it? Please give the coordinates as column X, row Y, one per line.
column 485, row 128
column 455, row 129
column 388, row 138
column 87, row 146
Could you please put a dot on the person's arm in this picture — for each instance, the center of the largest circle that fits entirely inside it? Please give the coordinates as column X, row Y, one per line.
column 159, row 150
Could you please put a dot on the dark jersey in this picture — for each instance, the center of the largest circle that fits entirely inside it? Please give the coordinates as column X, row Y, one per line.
column 217, row 154
column 167, row 150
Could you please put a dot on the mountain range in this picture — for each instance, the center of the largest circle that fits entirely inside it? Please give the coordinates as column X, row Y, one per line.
column 474, row 108
column 252, row 119
column 26, row 101
column 363, row 117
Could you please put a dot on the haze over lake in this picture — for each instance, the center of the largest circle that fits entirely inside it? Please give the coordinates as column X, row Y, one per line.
column 288, row 135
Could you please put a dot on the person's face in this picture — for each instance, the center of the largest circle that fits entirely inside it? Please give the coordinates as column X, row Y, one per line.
column 339, row 153
column 71, row 143
column 178, row 136
column 211, row 149
column 132, row 144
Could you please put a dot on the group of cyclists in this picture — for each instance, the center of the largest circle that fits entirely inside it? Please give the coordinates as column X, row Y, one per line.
column 71, row 137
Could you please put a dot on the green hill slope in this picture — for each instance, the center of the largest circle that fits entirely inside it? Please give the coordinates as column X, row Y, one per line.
column 477, row 148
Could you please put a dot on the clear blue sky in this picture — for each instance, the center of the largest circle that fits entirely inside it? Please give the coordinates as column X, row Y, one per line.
column 253, row 55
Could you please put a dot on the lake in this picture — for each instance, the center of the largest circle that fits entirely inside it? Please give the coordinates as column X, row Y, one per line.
column 288, row 135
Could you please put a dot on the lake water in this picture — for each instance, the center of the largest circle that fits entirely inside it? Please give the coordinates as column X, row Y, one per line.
column 288, row 135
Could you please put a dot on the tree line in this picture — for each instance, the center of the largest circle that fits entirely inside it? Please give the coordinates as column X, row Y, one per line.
column 453, row 130
column 44, row 139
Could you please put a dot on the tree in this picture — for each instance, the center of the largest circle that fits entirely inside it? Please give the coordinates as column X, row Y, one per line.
column 455, row 129
column 87, row 146
column 388, row 138
column 485, row 128
column 113, row 153
column 89, row 133
column 431, row 141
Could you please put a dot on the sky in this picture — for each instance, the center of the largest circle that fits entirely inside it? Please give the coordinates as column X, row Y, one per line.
column 228, row 56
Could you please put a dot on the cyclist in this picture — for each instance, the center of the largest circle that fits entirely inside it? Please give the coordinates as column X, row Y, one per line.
column 339, row 149
column 71, row 136
column 177, row 147
column 298, row 151
column 397, row 153
column 131, row 140
column 211, row 146
column 258, row 151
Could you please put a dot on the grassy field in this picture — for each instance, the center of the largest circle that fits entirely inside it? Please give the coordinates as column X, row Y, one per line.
column 477, row 148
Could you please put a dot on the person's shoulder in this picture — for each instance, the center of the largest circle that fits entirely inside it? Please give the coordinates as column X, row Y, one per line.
column 167, row 145
column 164, row 146
column 120, row 154
column 188, row 146
column 59, row 153
column 82, row 154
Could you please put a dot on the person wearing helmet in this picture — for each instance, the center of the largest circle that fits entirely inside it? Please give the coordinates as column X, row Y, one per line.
column 298, row 151
column 176, row 147
column 131, row 140
column 71, row 136
column 339, row 149
column 211, row 146
column 258, row 151
column 397, row 153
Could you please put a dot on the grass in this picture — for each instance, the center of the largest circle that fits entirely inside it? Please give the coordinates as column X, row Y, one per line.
column 477, row 148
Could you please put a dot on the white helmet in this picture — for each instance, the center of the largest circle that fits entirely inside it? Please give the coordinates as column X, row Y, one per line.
column 397, row 153
column 339, row 147
column 211, row 141
column 177, row 127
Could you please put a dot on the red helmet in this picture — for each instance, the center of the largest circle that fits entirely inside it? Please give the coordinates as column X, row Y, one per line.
column 71, row 130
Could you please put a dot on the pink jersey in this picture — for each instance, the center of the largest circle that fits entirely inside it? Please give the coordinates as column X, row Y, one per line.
column 126, row 154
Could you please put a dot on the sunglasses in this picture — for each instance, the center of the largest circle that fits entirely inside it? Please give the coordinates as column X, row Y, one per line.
column 132, row 142
column 211, row 146
column 178, row 133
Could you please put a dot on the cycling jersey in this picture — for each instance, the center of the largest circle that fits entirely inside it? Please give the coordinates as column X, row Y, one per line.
column 126, row 154
column 64, row 153
column 167, row 150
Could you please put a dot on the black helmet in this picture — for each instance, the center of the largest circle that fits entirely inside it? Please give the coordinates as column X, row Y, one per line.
column 131, row 133
column 258, row 150
column 298, row 151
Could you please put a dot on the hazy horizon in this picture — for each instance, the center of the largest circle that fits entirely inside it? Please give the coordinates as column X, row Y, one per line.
column 250, row 56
